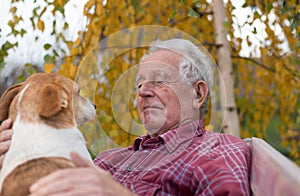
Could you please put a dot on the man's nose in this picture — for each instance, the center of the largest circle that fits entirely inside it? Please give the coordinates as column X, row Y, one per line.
column 146, row 89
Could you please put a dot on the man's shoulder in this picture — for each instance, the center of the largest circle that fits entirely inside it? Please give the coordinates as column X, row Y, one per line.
column 225, row 143
column 226, row 139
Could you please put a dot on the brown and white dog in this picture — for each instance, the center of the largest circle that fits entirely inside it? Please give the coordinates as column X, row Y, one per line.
column 46, row 109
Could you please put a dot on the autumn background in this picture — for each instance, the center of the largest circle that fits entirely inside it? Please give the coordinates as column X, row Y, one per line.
column 257, row 53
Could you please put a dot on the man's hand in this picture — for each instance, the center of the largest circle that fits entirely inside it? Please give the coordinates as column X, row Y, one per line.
column 5, row 138
column 86, row 179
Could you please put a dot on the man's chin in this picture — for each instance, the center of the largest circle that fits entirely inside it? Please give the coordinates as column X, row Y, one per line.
column 153, row 123
column 153, row 129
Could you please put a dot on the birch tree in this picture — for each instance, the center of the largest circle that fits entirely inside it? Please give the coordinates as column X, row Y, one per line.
column 231, row 121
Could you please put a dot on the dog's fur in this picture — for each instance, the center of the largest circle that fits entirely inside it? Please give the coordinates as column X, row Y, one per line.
column 46, row 110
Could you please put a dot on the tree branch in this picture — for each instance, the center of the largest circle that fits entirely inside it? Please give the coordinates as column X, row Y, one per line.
column 255, row 62
column 211, row 44
column 294, row 73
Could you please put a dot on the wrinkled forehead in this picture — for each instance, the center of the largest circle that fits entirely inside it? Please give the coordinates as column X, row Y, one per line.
column 165, row 57
column 163, row 64
column 156, row 70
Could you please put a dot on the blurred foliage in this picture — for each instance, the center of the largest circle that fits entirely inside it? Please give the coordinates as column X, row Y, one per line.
column 266, row 85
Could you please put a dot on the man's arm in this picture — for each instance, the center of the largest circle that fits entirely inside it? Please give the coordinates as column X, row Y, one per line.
column 86, row 179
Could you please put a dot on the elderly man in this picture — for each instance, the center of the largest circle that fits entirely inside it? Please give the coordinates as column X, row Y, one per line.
column 177, row 156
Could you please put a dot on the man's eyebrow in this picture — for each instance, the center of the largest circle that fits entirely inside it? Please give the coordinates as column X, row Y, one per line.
column 158, row 73
column 161, row 74
column 153, row 75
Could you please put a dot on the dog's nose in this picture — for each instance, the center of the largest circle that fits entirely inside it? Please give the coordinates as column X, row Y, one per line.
column 95, row 106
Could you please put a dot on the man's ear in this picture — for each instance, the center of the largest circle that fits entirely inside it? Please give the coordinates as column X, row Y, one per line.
column 6, row 100
column 201, row 92
column 51, row 101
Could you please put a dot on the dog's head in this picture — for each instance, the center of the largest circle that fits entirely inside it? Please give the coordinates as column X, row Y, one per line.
column 47, row 98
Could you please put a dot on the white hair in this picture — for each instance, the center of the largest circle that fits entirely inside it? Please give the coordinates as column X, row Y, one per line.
column 195, row 65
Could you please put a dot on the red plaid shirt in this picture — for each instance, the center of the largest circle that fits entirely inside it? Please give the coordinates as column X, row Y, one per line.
column 184, row 161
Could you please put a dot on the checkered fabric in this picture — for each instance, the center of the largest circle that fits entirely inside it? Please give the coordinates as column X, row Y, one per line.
column 184, row 161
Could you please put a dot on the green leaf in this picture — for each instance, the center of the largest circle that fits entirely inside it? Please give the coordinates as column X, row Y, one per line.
column 61, row 9
column 136, row 4
column 7, row 45
column 47, row 46
column 255, row 31
column 55, row 53
column 295, row 22
column 22, row 32
column 63, row 51
column 173, row 14
column 35, row 14
column 268, row 7
column 244, row 5
column 30, row 69
column 21, row 78
column 193, row 13
column 256, row 15
column 11, row 24
column 48, row 58
column 66, row 26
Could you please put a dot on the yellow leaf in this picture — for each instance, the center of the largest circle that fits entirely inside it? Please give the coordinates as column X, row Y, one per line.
column 89, row 4
column 73, row 70
column 131, row 10
column 48, row 67
column 13, row 10
column 77, row 42
column 41, row 25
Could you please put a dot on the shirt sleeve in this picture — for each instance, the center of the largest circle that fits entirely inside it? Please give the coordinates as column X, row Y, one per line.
column 225, row 170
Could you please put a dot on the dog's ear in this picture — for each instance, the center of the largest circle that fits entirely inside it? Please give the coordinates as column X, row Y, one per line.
column 51, row 101
column 6, row 99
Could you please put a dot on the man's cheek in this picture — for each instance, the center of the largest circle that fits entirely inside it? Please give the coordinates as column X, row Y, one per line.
column 139, row 107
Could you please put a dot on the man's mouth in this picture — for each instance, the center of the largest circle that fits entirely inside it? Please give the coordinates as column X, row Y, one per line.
column 153, row 106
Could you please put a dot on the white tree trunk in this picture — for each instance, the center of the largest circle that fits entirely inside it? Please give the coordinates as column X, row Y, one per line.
column 231, row 121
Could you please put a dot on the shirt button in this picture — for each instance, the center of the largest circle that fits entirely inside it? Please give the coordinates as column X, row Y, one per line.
column 129, row 169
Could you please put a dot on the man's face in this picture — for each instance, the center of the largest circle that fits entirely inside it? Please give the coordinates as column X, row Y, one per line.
column 164, row 101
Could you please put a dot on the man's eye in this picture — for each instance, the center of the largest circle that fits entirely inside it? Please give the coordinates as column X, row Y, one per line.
column 158, row 82
column 153, row 82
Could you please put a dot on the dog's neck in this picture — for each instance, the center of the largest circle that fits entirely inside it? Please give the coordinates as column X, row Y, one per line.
column 30, row 141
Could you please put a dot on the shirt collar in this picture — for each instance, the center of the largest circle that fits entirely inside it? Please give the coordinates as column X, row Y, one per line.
column 173, row 138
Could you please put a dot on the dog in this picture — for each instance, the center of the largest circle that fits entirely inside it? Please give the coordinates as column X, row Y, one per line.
column 46, row 110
